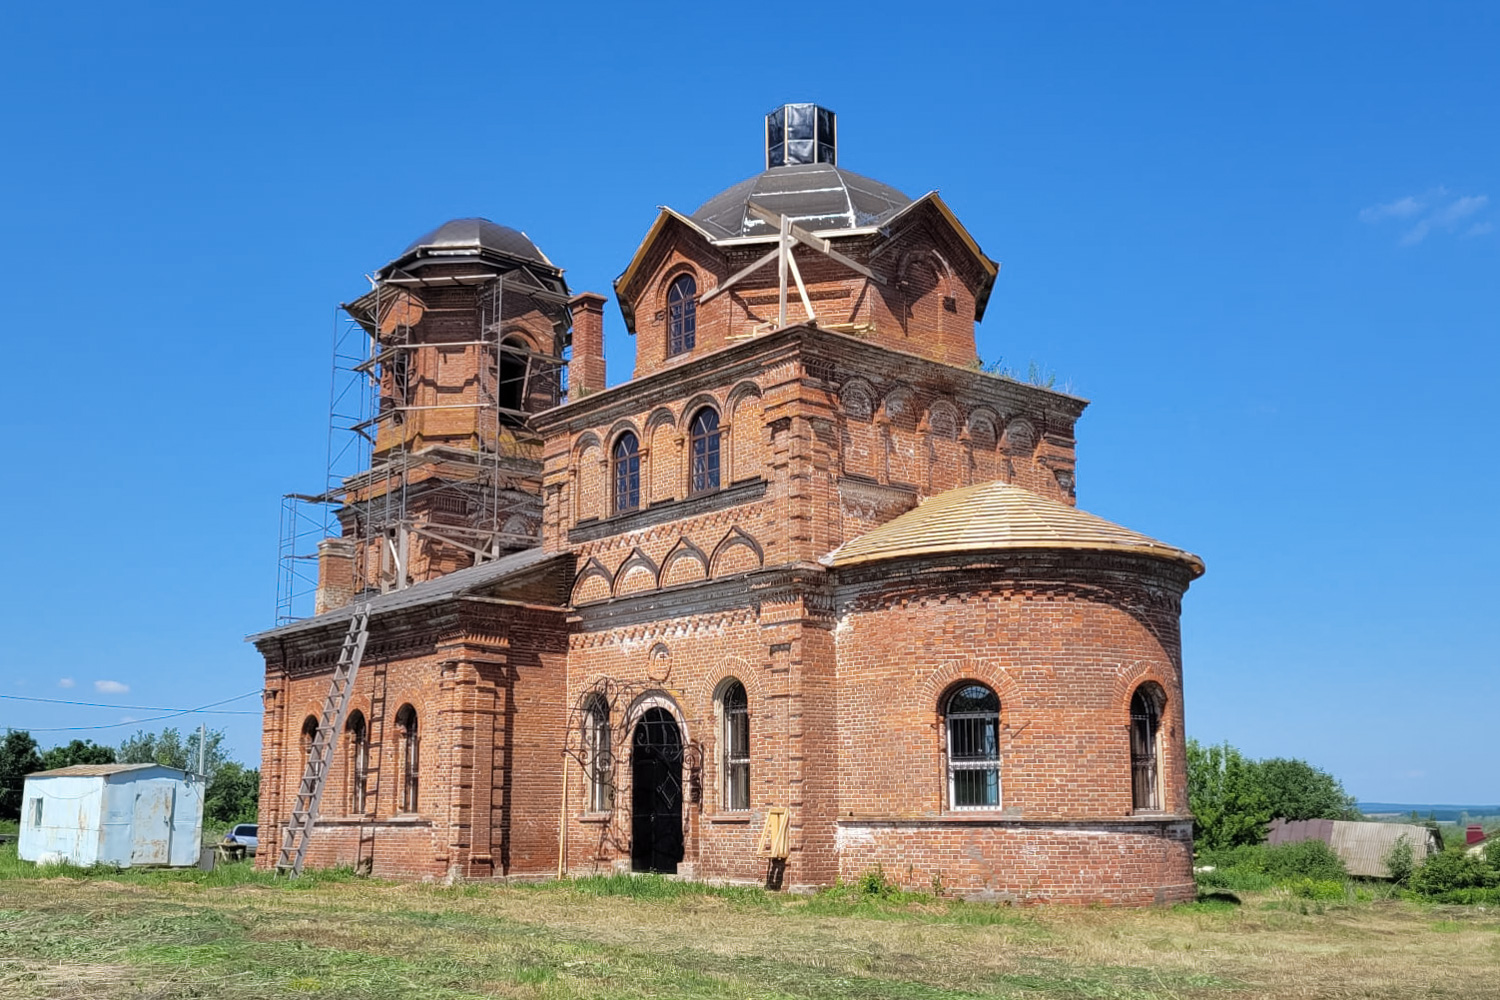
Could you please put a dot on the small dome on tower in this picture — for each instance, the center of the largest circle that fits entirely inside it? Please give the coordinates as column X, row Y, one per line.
column 816, row 196
column 474, row 235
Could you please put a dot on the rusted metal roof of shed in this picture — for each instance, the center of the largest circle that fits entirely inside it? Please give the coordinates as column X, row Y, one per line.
column 89, row 770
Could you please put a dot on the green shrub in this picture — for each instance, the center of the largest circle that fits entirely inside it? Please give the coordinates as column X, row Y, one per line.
column 1450, row 870
column 1323, row 890
column 1467, row 897
column 1401, row 861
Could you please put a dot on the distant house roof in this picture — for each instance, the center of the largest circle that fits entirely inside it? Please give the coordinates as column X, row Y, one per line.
column 1362, row 846
column 93, row 770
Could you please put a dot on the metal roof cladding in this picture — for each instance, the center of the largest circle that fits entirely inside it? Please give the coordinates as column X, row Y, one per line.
column 999, row 517
column 816, row 196
column 478, row 234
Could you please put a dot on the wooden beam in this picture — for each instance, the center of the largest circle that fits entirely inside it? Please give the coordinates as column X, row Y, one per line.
column 821, row 245
column 738, row 276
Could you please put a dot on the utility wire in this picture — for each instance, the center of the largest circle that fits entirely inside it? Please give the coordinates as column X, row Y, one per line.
column 137, row 722
column 138, row 708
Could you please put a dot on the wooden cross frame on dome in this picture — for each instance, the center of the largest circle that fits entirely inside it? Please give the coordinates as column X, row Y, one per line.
column 789, row 236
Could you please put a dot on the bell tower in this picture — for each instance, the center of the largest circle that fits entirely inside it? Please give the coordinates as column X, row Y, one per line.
column 465, row 335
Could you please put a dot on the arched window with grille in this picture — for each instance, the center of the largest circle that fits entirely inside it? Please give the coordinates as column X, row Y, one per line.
column 627, row 463
column 1145, row 747
column 973, row 728
column 735, row 708
column 704, row 435
column 682, row 315
column 599, row 755
column 359, row 760
column 411, row 760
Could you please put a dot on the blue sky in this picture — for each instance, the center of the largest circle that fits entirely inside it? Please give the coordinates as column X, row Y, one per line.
column 1264, row 242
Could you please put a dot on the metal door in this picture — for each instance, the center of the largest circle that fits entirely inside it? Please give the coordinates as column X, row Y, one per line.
column 151, row 829
column 656, row 793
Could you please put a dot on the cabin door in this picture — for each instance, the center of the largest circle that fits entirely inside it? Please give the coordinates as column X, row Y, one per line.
column 656, row 793
column 151, row 830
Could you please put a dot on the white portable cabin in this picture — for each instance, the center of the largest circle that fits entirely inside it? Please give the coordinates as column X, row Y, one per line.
column 113, row 814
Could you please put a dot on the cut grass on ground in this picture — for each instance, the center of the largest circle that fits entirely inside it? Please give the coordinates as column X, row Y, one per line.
column 235, row 935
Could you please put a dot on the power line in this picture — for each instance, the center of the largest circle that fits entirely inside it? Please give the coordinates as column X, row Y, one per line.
column 137, row 722
column 138, row 708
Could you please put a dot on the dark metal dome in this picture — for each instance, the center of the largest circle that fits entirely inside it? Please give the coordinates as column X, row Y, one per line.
column 479, row 234
column 817, row 196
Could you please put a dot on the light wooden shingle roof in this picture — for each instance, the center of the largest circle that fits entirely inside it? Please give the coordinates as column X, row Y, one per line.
column 998, row 517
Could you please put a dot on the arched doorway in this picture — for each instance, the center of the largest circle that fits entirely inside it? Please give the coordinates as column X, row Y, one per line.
column 656, row 793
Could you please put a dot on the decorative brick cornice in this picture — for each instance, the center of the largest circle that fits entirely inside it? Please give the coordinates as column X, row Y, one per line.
column 668, row 511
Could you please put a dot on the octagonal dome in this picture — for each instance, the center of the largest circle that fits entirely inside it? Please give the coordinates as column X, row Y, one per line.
column 816, row 196
column 478, row 235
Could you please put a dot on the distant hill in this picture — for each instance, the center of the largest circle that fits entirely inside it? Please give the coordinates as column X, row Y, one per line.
column 1442, row 813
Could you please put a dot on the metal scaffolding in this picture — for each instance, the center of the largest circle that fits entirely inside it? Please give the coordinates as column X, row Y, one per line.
column 389, row 490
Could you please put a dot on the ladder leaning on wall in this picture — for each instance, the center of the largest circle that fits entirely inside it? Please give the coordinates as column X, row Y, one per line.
column 298, row 830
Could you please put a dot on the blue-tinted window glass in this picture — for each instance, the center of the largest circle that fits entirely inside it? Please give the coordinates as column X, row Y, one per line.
column 627, row 473
column 705, row 438
column 682, row 315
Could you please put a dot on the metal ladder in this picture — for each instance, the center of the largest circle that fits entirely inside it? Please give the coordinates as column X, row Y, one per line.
column 299, row 828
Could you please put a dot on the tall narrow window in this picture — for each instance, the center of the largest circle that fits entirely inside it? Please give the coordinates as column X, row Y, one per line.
column 359, row 761
column 511, row 376
column 973, row 748
column 704, row 431
column 406, row 725
column 736, row 709
column 309, row 733
column 1145, row 747
column 599, row 748
column 627, row 460
column 682, row 315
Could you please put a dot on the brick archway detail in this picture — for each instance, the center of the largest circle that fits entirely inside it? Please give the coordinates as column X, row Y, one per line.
column 735, row 537
column 684, row 549
column 637, row 558
column 990, row 672
column 660, row 415
column 592, row 568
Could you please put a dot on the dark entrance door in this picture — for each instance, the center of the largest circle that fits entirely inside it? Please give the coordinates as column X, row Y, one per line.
column 656, row 793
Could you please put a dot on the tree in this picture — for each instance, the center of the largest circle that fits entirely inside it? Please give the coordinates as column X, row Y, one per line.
column 77, row 752
column 1229, row 805
column 18, row 758
column 233, row 794
column 1297, row 790
column 172, row 750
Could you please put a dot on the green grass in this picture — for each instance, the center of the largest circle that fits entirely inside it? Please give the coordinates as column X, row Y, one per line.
column 238, row 935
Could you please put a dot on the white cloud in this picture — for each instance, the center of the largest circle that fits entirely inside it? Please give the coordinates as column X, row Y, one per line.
column 111, row 687
column 65, row 682
column 1432, row 211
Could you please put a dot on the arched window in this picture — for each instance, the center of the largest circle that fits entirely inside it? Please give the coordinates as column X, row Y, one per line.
column 406, row 726
column 309, row 733
column 627, row 462
column 973, row 717
column 736, row 711
column 704, row 432
column 510, row 393
column 682, row 315
column 598, row 748
column 359, row 760
column 1145, row 747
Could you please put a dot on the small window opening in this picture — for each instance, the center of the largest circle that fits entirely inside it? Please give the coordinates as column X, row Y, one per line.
column 36, row 813
column 598, row 747
column 1145, row 747
column 514, row 362
column 736, row 709
column 627, row 461
column 973, row 724
column 704, row 432
column 682, row 315
column 406, row 726
column 359, row 761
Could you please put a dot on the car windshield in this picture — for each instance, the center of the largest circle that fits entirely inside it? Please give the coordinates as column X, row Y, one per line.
column 244, row 831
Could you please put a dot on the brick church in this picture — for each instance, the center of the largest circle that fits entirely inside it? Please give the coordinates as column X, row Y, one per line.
column 807, row 594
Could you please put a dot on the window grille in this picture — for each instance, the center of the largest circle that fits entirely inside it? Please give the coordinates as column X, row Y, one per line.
column 406, row 723
column 627, row 473
column 682, row 315
column 705, row 441
column 1145, row 758
column 973, row 717
column 736, row 709
column 597, row 740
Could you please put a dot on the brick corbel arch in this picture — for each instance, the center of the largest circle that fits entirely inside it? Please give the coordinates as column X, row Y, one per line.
column 637, row 558
column 684, row 549
column 592, row 568
column 937, row 685
column 660, row 415
column 735, row 537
